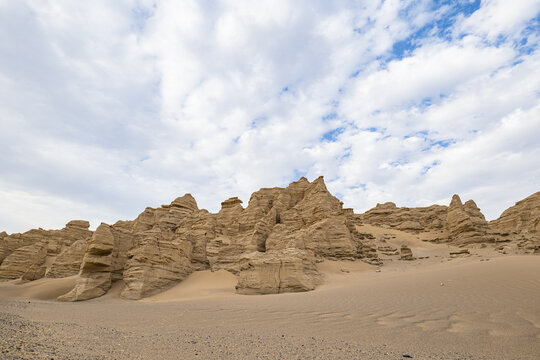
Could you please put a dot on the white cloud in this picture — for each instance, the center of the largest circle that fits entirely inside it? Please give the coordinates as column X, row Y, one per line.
column 499, row 18
column 106, row 108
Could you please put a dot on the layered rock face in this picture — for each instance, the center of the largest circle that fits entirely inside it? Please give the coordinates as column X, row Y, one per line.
column 68, row 262
column 300, row 223
column 465, row 222
column 26, row 262
column 520, row 223
column 159, row 258
column 458, row 223
column 405, row 253
column 18, row 251
column 407, row 219
column 273, row 245
column 103, row 262
column 277, row 271
column 304, row 216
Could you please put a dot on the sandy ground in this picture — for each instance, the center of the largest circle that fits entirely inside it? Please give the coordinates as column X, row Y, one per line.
column 483, row 306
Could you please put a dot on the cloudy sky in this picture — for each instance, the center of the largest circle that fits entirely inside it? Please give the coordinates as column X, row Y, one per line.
column 107, row 107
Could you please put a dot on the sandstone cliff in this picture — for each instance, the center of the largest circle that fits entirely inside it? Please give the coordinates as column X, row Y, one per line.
column 465, row 222
column 18, row 251
column 521, row 224
column 273, row 244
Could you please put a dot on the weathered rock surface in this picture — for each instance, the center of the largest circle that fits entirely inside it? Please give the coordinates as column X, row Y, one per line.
column 462, row 252
column 56, row 240
column 405, row 253
column 407, row 219
column 27, row 262
column 465, row 222
column 103, row 262
column 302, row 216
column 272, row 245
column 68, row 262
column 523, row 217
column 458, row 223
column 521, row 224
column 159, row 258
column 277, row 271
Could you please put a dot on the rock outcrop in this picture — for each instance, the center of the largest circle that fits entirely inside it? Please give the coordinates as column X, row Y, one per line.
column 273, row 244
column 56, row 240
column 465, row 222
column 277, row 271
column 68, row 262
column 407, row 219
column 405, row 253
column 27, row 262
column 521, row 224
column 159, row 258
column 103, row 262
column 458, row 223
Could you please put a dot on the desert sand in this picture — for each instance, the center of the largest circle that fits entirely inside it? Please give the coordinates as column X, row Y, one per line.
column 482, row 306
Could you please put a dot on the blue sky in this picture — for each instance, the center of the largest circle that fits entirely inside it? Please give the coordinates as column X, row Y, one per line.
column 109, row 107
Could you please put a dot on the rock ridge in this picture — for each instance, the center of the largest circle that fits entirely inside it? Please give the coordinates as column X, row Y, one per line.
column 272, row 245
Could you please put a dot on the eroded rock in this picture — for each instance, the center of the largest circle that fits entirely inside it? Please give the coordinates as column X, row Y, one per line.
column 465, row 222
column 68, row 262
column 278, row 271
column 103, row 262
column 27, row 262
column 406, row 253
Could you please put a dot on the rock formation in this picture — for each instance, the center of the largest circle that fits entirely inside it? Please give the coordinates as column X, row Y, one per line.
column 405, row 253
column 158, row 258
column 407, row 219
column 458, row 223
column 69, row 261
column 465, row 222
column 520, row 223
column 103, row 262
column 56, row 240
column 273, row 245
column 277, row 271
column 26, row 262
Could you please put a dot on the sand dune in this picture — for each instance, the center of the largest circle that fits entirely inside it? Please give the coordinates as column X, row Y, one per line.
column 482, row 306
column 200, row 285
column 42, row 289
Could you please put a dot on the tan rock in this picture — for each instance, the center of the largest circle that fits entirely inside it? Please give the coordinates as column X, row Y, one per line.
column 274, row 272
column 56, row 240
column 103, row 262
column 461, row 252
column 523, row 217
column 156, row 262
column 27, row 262
column 10, row 243
column 406, row 253
column 406, row 219
column 520, row 223
column 272, row 244
column 465, row 222
column 198, row 229
column 410, row 225
column 68, row 262
column 159, row 257
column 388, row 250
column 78, row 224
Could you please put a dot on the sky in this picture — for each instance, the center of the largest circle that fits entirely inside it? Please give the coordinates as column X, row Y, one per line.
column 107, row 107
